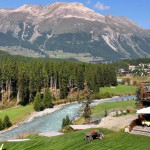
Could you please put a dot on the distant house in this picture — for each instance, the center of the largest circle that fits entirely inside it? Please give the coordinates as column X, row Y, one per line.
column 127, row 73
column 132, row 68
column 119, row 80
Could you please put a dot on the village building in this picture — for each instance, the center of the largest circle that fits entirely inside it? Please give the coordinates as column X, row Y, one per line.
column 132, row 68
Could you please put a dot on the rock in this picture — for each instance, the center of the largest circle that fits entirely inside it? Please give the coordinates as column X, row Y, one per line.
column 126, row 130
column 124, row 111
column 119, row 112
column 112, row 114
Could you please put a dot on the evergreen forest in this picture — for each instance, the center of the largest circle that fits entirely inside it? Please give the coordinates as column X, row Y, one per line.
column 21, row 79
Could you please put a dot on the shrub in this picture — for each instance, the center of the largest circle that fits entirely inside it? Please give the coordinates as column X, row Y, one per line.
column 106, row 95
column 2, row 107
column 105, row 113
column 126, row 80
column 1, row 125
column 67, row 129
column 6, row 122
column 128, row 109
column 95, row 96
column 71, row 99
column 134, row 83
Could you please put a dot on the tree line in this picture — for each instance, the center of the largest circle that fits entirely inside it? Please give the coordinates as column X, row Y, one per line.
column 22, row 80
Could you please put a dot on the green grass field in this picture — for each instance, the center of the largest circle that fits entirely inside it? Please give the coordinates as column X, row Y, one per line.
column 74, row 141
column 17, row 114
column 98, row 111
column 119, row 90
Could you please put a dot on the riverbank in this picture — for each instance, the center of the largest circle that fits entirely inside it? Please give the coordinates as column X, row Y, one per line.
column 51, row 110
column 34, row 115
column 99, row 110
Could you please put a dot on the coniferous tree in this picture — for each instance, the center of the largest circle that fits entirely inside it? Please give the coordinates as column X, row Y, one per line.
column 1, row 125
column 87, row 92
column 23, row 90
column 63, row 83
column 47, row 99
column 138, row 97
column 22, row 77
column 63, row 123
column 87, row 113
column 38, row 104
column 80, row 77
column 6, row 122
column 66, row 121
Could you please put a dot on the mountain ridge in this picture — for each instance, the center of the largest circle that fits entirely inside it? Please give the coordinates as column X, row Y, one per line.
column 74, row 28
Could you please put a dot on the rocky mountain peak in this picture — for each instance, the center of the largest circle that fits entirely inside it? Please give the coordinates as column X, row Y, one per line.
column 72, row 27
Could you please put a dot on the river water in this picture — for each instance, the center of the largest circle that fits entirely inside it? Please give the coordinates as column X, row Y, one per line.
column 52, row 122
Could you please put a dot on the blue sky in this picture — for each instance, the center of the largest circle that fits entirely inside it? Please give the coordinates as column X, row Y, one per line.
column 137, row 10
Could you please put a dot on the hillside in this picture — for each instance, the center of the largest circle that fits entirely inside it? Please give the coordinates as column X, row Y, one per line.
column 71, row 30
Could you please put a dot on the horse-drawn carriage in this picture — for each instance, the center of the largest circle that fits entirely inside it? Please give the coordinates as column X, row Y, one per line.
column 94, row 135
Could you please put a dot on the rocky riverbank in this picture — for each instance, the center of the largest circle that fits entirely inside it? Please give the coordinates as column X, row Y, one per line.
column 38, row 114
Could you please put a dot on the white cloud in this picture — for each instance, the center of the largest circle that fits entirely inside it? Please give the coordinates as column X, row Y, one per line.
column 101, row 6
column 88, row 2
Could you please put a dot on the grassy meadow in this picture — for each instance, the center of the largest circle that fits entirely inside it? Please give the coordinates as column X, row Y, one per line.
column 17, row 114
column 74, row 141
column 98, row 110
column 119, row 90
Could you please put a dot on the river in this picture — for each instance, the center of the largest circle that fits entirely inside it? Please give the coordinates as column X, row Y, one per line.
column 52, row 122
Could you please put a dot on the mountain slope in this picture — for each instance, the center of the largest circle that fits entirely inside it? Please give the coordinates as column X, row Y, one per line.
column 71, row 29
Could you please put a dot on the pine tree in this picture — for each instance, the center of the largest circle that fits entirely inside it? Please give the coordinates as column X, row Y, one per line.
column 138, row 97
column 87, row 113
column 1, row 125
column 23, row 89
column 47, row 99
column 87, row 92
column 63, row 77
column 38, row 105
column 80, row 77
column 63, row 123
column 6, row 122
column 66, row 121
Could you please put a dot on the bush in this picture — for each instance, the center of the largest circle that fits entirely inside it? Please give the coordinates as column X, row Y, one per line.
column 67, row 129
column 71, row 99
column 106, row 95
column 1, row 125
column 2, row 107
column 125, row 80
column 6, row 122
column 95, row 96
column 128, row 109
column 134, row 83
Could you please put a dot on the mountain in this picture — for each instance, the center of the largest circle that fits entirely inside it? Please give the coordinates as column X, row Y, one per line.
column 71, row 30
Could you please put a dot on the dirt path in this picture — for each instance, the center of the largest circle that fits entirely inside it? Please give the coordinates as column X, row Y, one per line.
column 117, row 123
